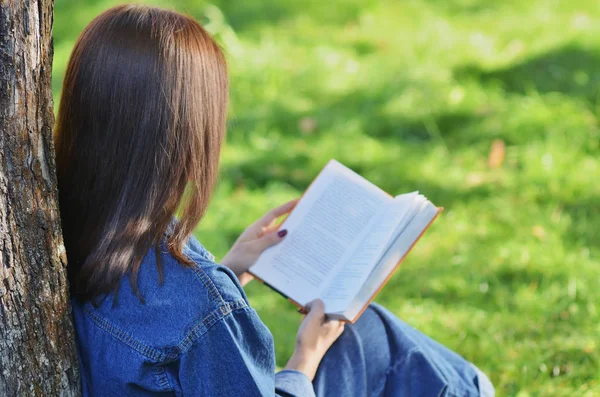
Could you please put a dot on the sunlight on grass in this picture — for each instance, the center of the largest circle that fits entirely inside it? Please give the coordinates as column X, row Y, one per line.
column 411, row 95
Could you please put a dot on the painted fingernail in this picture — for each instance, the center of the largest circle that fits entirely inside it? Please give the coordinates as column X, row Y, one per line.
column 282, row 233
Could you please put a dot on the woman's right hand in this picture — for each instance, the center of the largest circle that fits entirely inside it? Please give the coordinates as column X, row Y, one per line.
column 315, row 335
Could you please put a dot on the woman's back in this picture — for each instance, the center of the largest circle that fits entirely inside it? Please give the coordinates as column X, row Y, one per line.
column 184, row 325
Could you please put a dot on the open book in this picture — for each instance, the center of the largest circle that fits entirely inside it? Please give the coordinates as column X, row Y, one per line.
column 345, row 238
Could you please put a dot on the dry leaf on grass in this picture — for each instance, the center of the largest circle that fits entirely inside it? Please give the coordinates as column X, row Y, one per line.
column 497, row 154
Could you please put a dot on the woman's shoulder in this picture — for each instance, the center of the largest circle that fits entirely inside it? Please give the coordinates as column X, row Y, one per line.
column 176, row 304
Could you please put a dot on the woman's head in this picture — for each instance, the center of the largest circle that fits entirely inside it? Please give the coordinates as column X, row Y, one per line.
column 138, row 137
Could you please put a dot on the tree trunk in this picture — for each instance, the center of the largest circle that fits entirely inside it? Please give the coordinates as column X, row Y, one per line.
column 37, row 347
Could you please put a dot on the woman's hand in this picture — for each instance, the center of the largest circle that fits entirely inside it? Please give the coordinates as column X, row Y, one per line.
column 259, row 236
column 315, row 335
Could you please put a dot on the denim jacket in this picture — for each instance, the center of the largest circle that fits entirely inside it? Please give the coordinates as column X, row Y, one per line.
column 194, row 334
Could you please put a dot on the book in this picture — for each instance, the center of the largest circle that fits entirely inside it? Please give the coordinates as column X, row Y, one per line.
column 345, row 239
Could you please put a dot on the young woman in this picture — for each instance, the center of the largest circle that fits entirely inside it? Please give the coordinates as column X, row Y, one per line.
column 138, row 137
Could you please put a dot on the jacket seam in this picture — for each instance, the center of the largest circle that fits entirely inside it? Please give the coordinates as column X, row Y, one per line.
column 186, row 342
column 125, row 338
column 203, row 326
column 208, row 283
column 163, row 379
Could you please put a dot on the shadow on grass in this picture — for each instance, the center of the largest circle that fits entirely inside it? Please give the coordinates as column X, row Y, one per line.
column 241, row 15
column 254, row 13
column 584, row 213
column 469, row 8
column 570, row 70
column 414, row 137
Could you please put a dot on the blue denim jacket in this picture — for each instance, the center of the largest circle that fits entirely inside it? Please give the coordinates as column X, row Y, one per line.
column 195, row 334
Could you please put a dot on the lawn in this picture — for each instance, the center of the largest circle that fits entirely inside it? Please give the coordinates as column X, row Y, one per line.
column 412, row 95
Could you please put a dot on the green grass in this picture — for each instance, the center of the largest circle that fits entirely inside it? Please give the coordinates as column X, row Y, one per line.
column 411, row 95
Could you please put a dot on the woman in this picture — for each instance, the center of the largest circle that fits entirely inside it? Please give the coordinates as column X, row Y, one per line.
column 138, row 137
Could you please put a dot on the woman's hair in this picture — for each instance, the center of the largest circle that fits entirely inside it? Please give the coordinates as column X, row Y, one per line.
column 138, row 137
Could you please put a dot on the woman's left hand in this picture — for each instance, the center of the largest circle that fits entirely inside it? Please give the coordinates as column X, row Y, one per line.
column 259, row 236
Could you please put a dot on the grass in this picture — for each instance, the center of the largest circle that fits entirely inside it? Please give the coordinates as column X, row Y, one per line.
column 411, row 94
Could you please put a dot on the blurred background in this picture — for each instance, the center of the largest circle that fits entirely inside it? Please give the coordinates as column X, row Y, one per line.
column 490, row 108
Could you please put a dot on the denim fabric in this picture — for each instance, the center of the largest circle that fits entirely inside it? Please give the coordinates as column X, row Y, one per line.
column 380, row 355
column 195, row 334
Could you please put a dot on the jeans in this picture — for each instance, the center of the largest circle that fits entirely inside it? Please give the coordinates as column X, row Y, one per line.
column 380, row 355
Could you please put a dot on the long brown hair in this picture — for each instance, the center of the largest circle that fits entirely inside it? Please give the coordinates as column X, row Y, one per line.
column 138, row 136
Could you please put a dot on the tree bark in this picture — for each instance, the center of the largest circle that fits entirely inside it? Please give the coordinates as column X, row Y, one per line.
column 37, row 345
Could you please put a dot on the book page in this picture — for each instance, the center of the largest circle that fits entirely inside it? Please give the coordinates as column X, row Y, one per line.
column 327, row 223
column 365, row 255
column 389, row 261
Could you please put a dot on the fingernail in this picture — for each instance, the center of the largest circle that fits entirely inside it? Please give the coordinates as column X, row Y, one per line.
column 282, row 233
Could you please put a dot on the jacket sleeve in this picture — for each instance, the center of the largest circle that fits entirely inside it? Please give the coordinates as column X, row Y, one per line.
column 235, row 357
